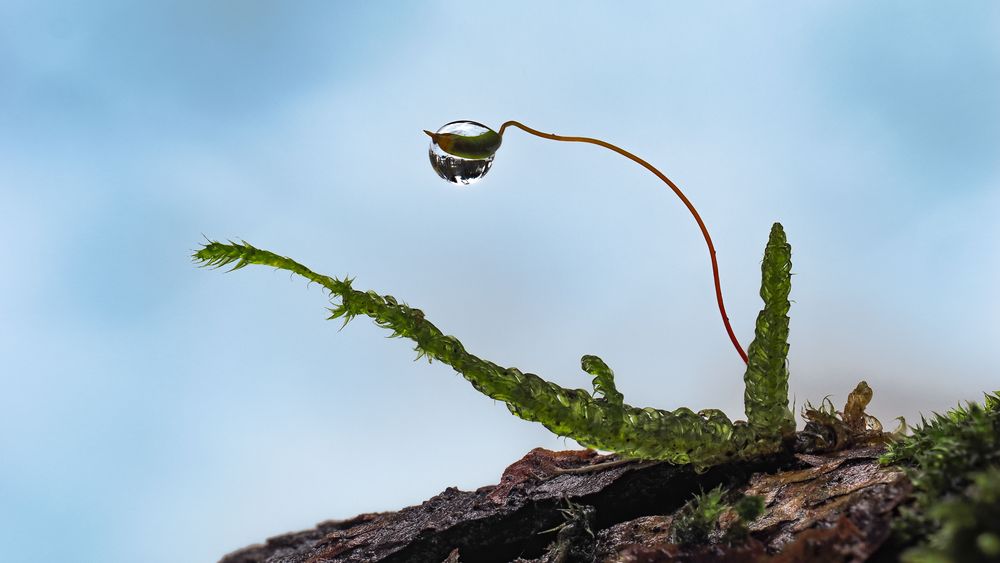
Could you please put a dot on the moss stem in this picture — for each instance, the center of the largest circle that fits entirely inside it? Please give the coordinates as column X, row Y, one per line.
column 673, row 186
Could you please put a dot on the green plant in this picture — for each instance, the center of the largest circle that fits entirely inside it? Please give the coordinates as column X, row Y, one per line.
column 953, row 461
column 698, row 521
column 747, row 509
column 698, row 518
column 599, row 419
column 969, row 524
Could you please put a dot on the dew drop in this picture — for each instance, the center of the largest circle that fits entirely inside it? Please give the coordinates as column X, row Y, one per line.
column 456, row 169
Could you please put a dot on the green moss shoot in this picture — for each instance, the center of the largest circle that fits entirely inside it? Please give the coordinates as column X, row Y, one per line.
column 599, row 419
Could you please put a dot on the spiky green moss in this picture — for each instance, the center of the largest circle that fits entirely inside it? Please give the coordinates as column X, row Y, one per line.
column 969, row 525
column 698, row 518
column 697, row 522
column 599, row 419
column 953, row 461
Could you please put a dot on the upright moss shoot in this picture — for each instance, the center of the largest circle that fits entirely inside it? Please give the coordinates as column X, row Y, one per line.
column 766, row 378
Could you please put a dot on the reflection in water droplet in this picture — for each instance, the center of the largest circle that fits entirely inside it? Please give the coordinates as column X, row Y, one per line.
column 456, row 169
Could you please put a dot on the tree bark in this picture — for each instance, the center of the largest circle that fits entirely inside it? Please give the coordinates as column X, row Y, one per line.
column 827, row 507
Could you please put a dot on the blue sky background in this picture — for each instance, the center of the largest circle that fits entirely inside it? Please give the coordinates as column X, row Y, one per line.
column 151, row 411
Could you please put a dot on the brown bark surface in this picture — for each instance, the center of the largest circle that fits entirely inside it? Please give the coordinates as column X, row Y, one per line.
column 825, row 507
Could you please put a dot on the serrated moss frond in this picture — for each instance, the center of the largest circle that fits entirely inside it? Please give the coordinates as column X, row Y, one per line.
column 766, row 378
column 217, row 255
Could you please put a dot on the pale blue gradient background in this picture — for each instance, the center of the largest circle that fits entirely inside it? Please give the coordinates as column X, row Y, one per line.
column 151, row 411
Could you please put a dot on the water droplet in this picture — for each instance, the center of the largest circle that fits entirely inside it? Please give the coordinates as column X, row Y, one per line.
column 456, row 169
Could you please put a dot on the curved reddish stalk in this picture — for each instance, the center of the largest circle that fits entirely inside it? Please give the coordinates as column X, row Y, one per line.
column 673, row 186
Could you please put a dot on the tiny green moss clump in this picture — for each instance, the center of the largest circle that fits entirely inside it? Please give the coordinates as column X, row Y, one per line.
column 575, row 539
column 953, row 461
column 747, row 509
column 698, row 521
column 698, row 518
